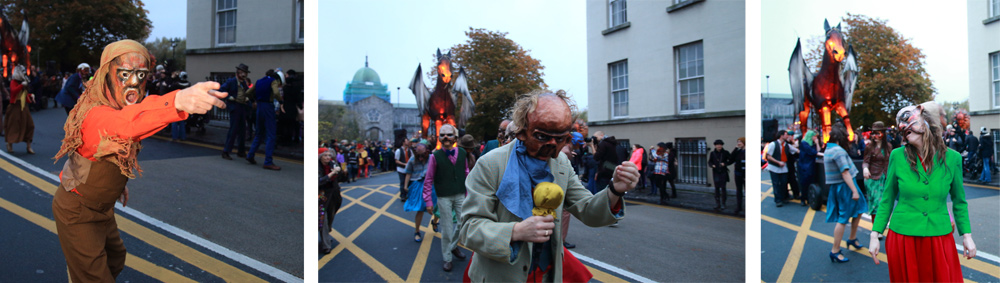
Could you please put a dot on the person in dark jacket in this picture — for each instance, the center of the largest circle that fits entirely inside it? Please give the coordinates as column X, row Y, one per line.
column 238, row 104
column 719, row 161
column 808, row 150
column 739, row 157
column 330, row 199
column 73, row 87
column 607, row 158
column 986, row 154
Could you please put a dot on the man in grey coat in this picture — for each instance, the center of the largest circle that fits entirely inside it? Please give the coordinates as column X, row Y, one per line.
column 509, row 242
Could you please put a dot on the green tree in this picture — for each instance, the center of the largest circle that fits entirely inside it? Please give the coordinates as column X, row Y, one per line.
column 499, row 71
column 891, row 75
column 71, row 32
column 337, row 122
column 164, row 53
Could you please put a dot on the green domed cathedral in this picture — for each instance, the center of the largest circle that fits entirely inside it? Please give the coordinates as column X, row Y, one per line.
column 365, row 83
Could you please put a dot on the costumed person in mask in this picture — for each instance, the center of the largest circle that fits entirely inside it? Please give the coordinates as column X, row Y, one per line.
column 920, row 178
column 103, row 134
column 18, row 125
column 414, row 180
column 875, row 164
column 500, row 226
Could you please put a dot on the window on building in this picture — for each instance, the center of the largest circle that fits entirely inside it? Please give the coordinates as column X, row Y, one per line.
column 373, row 115
column 691, row 77
column 693, row 160
column 994, row 8
column 616, row 13
column 619, row 88
column 995, row 83
column 301, row 21
column 225, row 13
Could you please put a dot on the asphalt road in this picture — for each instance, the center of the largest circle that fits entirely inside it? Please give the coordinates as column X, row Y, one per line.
column 216, row 219
column 796, row 242
column 373, row 239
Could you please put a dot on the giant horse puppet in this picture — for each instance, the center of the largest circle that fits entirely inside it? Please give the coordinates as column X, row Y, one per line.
column 830, row 89
column 439, row 104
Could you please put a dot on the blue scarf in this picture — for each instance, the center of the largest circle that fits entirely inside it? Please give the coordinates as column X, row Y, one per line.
column 521, row 174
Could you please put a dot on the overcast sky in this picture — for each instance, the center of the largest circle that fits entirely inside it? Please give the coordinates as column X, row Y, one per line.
column 398, row 35
column 169, row 18
column 937, row 28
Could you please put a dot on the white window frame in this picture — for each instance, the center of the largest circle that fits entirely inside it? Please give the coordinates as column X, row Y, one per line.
column 692, row 154
column 618, row 86
column 622, row 12
column 994, row 8
column 995, row 78
column 299, row 21
column 697, row 63
column 219, row 12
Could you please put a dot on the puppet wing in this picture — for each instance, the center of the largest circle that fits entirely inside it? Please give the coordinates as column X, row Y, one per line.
column 799, row 77
column 420, row 91
column 849, row 76
column 460, row 92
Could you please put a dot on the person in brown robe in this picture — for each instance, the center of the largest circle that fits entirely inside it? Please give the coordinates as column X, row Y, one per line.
column 18, row 125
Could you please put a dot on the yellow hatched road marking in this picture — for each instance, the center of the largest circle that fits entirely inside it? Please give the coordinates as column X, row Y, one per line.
column 973, row 264
column 135, row 262
column 419, row 263
column 795, row 254
column 194, row 257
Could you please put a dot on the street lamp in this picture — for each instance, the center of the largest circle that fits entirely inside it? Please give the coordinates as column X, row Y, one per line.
column 173, row 51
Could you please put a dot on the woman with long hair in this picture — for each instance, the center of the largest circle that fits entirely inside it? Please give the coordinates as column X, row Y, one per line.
column 876, row 163
column 329, row 197
column 672, row 169
column 414, row 180
column 845, row 201
column 922, row 175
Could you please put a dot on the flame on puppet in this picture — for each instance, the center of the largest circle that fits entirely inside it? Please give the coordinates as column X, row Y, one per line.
column 445, row 71
column 837, row 50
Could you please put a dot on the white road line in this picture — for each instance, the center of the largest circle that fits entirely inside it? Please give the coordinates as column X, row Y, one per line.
column 961, row 249
column 612, row 268
column 245, row 260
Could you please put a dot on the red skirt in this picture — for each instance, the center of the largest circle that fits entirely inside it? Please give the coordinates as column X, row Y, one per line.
column 922, row 259
column 573, row 270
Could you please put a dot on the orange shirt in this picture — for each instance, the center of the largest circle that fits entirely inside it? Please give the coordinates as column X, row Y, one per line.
column 136, row 122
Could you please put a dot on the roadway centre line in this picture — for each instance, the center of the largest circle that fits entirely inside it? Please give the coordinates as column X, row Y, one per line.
column 137, row 263
column 243, row 259
column 209, row 146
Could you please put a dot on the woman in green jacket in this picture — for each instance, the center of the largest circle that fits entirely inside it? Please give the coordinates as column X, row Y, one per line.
column 922, row 175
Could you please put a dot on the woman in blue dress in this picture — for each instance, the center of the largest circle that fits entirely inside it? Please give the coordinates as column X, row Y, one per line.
column 845, row 202
column 414, row 181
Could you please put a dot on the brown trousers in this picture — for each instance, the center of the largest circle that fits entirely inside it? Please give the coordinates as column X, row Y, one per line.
column 85, row 222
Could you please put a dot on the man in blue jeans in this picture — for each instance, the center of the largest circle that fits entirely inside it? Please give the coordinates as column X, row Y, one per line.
column 266, row 123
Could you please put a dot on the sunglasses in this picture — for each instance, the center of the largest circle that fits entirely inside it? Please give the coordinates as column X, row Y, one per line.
column 446, row 135
column 543, row 137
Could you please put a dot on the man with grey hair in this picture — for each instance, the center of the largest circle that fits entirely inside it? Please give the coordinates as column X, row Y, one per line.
column 511, row 242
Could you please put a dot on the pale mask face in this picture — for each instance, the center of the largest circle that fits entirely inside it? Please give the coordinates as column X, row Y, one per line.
column 127, row 78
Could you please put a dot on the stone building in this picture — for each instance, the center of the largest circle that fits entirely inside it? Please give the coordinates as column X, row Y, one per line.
column 376, row 115
column 984, row 68
column 668, row 71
